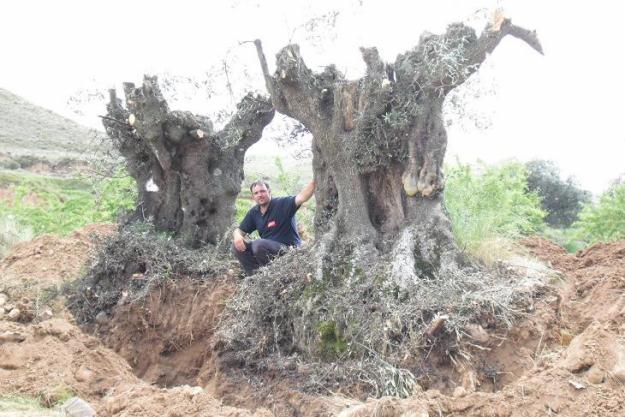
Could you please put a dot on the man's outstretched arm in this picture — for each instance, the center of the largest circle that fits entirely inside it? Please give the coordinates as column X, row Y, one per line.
column 305, row 194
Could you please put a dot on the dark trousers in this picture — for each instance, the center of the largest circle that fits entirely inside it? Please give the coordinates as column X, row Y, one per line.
column 258, row 252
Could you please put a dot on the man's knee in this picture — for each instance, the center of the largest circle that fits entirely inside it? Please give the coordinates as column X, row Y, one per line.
column 265, row 248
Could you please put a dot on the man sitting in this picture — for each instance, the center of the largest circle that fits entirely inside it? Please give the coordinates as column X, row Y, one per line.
column 274, row 218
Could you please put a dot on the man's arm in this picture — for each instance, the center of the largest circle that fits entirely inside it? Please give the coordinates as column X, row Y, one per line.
column 239, row 235
column 305, row 194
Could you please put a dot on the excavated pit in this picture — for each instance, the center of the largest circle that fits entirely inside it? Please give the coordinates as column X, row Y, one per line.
column 168, row 340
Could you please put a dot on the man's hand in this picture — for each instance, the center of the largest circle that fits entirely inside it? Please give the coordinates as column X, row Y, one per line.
column 238, row 240
column 305, row 194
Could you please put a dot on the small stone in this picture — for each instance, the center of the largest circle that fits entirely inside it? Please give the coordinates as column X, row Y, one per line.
column 555, row 404
column 76, row 407
column 576, row 384
column 46, row 315
column 3, row 299
column 459, row 392
column 11, row 337
column 101, row 317
column 595, row 375
column 83, row 374
column 190, row 391
column 14, row 314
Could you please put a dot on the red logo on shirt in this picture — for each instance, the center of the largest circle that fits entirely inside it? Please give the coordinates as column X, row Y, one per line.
column 271, row 224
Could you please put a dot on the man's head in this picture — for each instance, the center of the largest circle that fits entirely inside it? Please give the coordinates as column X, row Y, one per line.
column 261, row 193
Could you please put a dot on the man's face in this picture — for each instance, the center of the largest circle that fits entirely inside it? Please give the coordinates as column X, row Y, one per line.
column 261, row 195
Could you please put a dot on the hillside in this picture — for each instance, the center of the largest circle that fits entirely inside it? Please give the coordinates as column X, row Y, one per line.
column 29, row 132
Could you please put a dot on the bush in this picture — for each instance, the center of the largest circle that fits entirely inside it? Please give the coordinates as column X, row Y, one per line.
column 604, row 221
column 561, row 199
column 491, row 209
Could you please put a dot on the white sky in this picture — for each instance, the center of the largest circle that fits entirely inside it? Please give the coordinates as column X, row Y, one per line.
column 563, row 106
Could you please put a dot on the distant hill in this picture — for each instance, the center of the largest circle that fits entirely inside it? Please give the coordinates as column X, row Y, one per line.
column 31, row 131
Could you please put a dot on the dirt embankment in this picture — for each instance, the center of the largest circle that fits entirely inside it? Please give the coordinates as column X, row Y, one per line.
column 565, row 357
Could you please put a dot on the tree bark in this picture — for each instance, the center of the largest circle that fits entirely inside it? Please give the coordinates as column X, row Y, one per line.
column 188, row 176
column 379, row 144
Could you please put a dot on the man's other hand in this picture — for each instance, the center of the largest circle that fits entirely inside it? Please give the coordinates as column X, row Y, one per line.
column 239, row 241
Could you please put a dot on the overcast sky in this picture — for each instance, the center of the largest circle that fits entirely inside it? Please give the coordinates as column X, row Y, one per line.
column 564, row 106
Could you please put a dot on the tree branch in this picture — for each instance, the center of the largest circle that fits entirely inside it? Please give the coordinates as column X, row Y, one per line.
column 295, row 90
column 263, row 66
column 150, row 110
column 246, row 126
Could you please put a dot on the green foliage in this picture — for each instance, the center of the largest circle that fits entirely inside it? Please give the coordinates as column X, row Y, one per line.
column 287, row 182
column 242, row 207
column 604, row 221
column 567, row 238
column 332, row 343
column 61, row 205
column 561, row 199
column 492, row 205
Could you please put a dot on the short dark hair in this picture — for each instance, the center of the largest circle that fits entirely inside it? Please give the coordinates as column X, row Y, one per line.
column 259, row 182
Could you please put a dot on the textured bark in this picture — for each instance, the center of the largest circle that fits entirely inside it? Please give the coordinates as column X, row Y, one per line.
column 188, row 176
column 379, row 143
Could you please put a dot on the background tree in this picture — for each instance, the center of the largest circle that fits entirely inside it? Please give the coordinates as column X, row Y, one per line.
column 188, row 176
column 379, row 144
column 562, row 199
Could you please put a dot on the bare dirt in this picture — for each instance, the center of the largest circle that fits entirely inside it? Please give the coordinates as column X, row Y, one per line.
column 157, row 357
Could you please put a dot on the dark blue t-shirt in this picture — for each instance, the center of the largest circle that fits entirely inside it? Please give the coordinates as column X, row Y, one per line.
column 278, row 222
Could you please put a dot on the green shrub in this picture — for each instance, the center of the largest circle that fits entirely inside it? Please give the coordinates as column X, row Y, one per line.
column 491, row 209
column 604, row 221
column 61, row 205
column 561, row 199
column 567, row 238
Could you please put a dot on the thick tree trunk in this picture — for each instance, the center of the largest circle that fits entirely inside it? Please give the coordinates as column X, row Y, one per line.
column 188, row 176
column 379, row 143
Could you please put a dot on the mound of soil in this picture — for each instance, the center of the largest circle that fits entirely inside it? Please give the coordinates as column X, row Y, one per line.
column 565, row 357
column 49, row 261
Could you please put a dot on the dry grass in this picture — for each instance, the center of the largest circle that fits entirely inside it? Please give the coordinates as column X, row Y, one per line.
column 11, row 233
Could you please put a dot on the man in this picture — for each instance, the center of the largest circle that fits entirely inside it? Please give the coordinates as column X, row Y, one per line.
column 274, row 218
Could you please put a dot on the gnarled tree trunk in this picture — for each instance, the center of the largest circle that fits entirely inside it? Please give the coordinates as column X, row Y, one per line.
column 188, row 176
column 379, row 144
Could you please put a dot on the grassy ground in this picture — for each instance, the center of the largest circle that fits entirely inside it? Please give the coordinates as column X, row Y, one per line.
column 19, row 406
column 32, row 204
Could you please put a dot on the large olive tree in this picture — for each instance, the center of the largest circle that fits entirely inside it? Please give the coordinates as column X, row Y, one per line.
column 379, row 143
